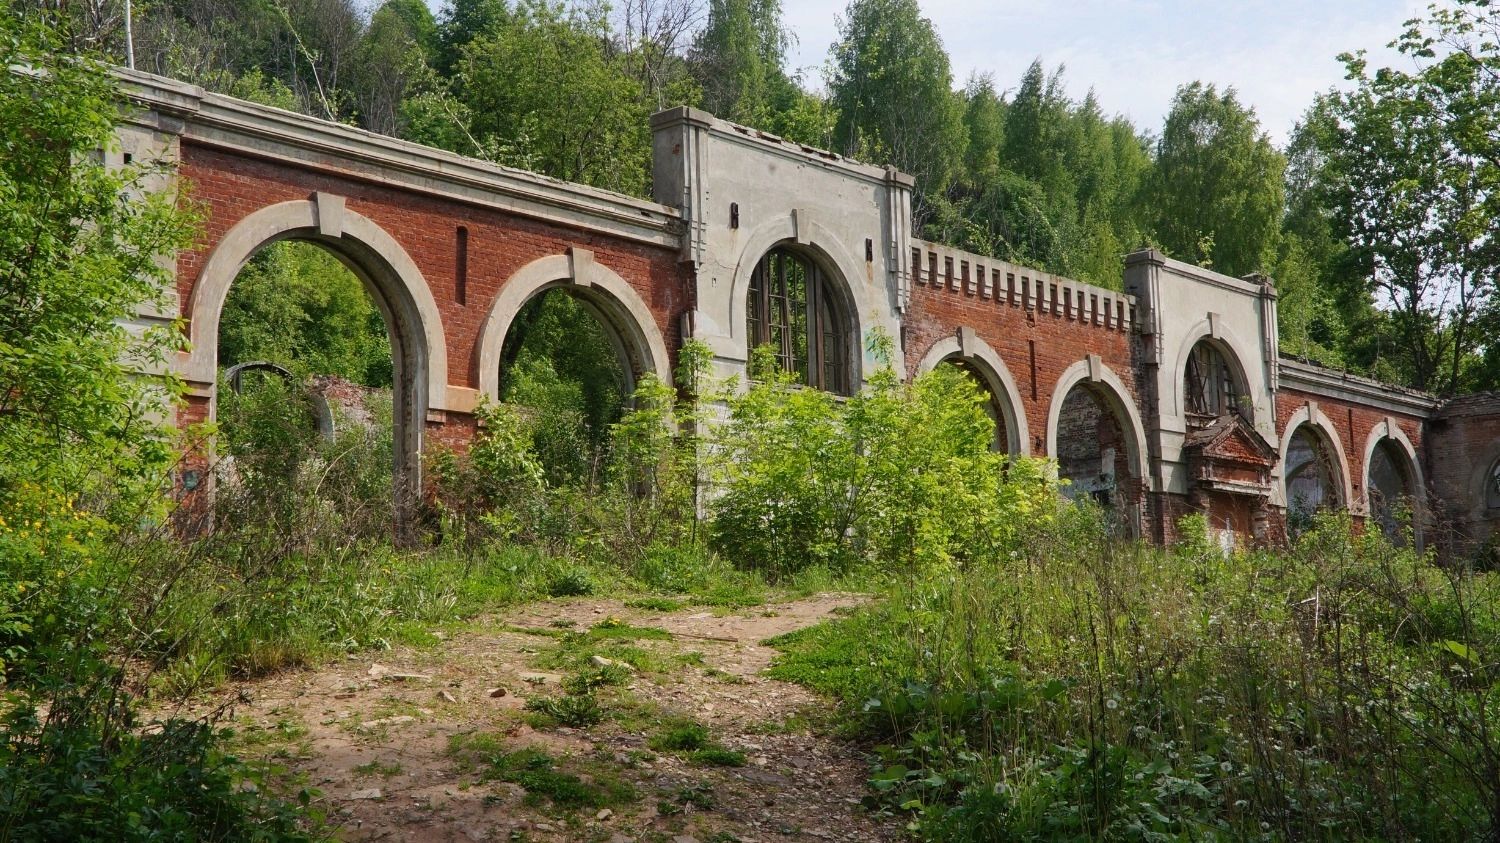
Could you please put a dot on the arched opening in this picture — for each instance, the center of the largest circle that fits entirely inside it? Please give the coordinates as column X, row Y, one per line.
column 994, row 405
column 1391, row 488
column 795, row 310
column 1093, row 449
column 305, row 401
column 572, row 369
column 1310, row 471
column 1211, row 386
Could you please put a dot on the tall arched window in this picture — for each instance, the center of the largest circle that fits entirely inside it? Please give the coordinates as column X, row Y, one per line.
column 1209, row 385
column 1389, row 486
column 793, row 309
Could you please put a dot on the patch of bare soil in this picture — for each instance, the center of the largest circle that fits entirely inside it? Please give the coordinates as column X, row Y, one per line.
column 374, row 734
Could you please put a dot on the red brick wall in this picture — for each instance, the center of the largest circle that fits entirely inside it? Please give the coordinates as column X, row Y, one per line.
column 1465, row 439
column 1020, row 336
column 232, row 186
column 1352, row 422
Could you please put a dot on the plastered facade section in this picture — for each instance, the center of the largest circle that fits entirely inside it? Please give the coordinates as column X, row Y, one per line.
column 741, row 193
column 1180, row 306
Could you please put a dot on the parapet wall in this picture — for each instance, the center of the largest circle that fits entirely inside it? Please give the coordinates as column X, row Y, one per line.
column 941, row 268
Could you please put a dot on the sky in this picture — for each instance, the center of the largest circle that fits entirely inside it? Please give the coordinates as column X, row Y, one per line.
column 1134, row 53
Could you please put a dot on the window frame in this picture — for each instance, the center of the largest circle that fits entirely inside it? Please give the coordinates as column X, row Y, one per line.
column 821, row 325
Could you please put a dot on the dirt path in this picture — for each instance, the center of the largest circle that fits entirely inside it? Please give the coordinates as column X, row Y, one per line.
column 438, row 744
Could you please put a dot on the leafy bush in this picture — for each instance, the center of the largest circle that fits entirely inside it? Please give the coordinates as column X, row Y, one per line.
column 83, row 770
column 900, row 475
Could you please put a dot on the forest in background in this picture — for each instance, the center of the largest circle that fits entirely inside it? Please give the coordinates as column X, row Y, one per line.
column 1376, row 220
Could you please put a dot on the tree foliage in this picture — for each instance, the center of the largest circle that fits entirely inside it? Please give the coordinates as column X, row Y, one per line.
column 1215, row 194
column 1409, row 163
column 296, row 305
column 70, row 413
column 892, row 88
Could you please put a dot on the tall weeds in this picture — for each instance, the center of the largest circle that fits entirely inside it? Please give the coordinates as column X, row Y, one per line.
column 1081, row 688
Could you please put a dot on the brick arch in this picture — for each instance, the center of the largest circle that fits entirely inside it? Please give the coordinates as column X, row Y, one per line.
column 419, row 350
column 1479, row 476
column 987, row 362
column 617, row 305
column 1323, row 427
column 800, row 232
column 1234, row 351
column 1091, row 371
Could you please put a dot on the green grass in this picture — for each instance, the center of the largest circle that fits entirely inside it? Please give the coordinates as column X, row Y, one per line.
column 692, row 740
column 544, row 778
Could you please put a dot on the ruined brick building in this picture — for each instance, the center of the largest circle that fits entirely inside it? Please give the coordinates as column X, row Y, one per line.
column 1167, row 398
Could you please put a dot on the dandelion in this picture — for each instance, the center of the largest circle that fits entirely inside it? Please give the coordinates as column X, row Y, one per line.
column 1111, row 704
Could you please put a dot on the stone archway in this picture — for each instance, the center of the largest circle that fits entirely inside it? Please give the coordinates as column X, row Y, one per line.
column 1095, row 434
column 1327, row 438
column 799, row 230
column 986, row 363
column 602, row 291
column 1393, row 481
column 1311, row 466
column 418, row 348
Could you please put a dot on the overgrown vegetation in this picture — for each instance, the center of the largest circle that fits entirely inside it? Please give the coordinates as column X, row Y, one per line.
column 1072, row 687
column 1026, row 675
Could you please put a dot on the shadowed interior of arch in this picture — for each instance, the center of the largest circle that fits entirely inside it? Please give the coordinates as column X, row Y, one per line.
column 571, row 370
column 1309, row 470
column 1391, row 488
column 298, row 305
column 1092, row 450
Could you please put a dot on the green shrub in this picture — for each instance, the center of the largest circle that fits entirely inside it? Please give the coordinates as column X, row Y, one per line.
column 570, row 582
column 77, row 774
column 900, row 476
column 578, row 710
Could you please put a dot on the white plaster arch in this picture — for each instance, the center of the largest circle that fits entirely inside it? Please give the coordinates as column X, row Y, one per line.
column 1234, row 351
column 602, row 289
column 403, row 295
column 1310, row 414
column 969, row 347
column 1389, row 429
column 1091, row 370
column 800, row 230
